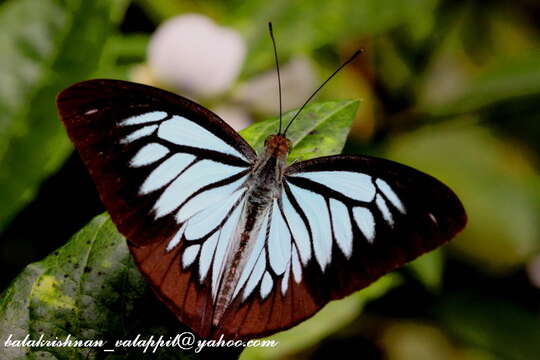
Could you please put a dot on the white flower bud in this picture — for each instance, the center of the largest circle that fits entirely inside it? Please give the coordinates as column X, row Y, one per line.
column 192, row 54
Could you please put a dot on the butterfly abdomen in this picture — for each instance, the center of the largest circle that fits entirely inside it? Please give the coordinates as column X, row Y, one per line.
column 264, row 186
column 248, row 229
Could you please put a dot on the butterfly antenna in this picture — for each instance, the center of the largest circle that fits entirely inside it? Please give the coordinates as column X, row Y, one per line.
column 278, row 75
column 358, row 52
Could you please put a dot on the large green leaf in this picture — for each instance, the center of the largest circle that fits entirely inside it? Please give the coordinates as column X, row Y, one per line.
column 321, row 129
column 47, row 45
column 90, row 288
column 87, row 289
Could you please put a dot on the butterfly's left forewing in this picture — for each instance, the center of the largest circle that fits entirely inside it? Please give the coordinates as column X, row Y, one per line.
column 171, row 174
column 340, row 223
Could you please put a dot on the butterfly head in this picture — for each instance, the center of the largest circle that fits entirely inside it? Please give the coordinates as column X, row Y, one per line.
column 277, row 146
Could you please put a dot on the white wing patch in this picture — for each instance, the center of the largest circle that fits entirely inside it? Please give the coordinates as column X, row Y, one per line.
column 314, row 207
column 279, row 241
column 207, row 254
column 341, row 223
column 387, row 214
column 266, row 285
column 390, row 194
column 207, row 198
column 206, row 221
column 256, row 274
column 149, row 154
column 194, row 178
column 285, row 281
column 138, row 134
column 296, row 267
column 360, row 203
column 144, row 118
column 365, row 221
column 166, row 172
column 354, row 185
column 182, row 131
column 226, row 235
column 298, row 228
column 176, row 238
column 190, row 254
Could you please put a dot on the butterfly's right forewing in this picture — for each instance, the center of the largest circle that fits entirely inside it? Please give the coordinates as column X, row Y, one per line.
column 150, row 152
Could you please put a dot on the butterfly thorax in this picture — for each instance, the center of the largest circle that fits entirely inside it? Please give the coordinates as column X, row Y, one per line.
column 267, row 174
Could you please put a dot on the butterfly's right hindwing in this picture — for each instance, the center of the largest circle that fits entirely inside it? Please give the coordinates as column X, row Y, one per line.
column 171, row 175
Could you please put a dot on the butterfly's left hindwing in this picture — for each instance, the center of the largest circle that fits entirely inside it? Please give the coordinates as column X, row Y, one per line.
column 342, row 222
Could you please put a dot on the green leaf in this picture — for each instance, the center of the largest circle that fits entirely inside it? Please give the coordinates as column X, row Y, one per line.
column 88, row 289
column 91, row 289
column 47, row 45
column 320, row 130
column 428, row 269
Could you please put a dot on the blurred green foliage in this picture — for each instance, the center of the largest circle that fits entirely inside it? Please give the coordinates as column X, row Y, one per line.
column 451, row 87
column 493, row 179
column 46, row 46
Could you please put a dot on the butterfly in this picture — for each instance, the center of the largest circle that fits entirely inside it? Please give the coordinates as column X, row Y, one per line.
column 239, row 244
